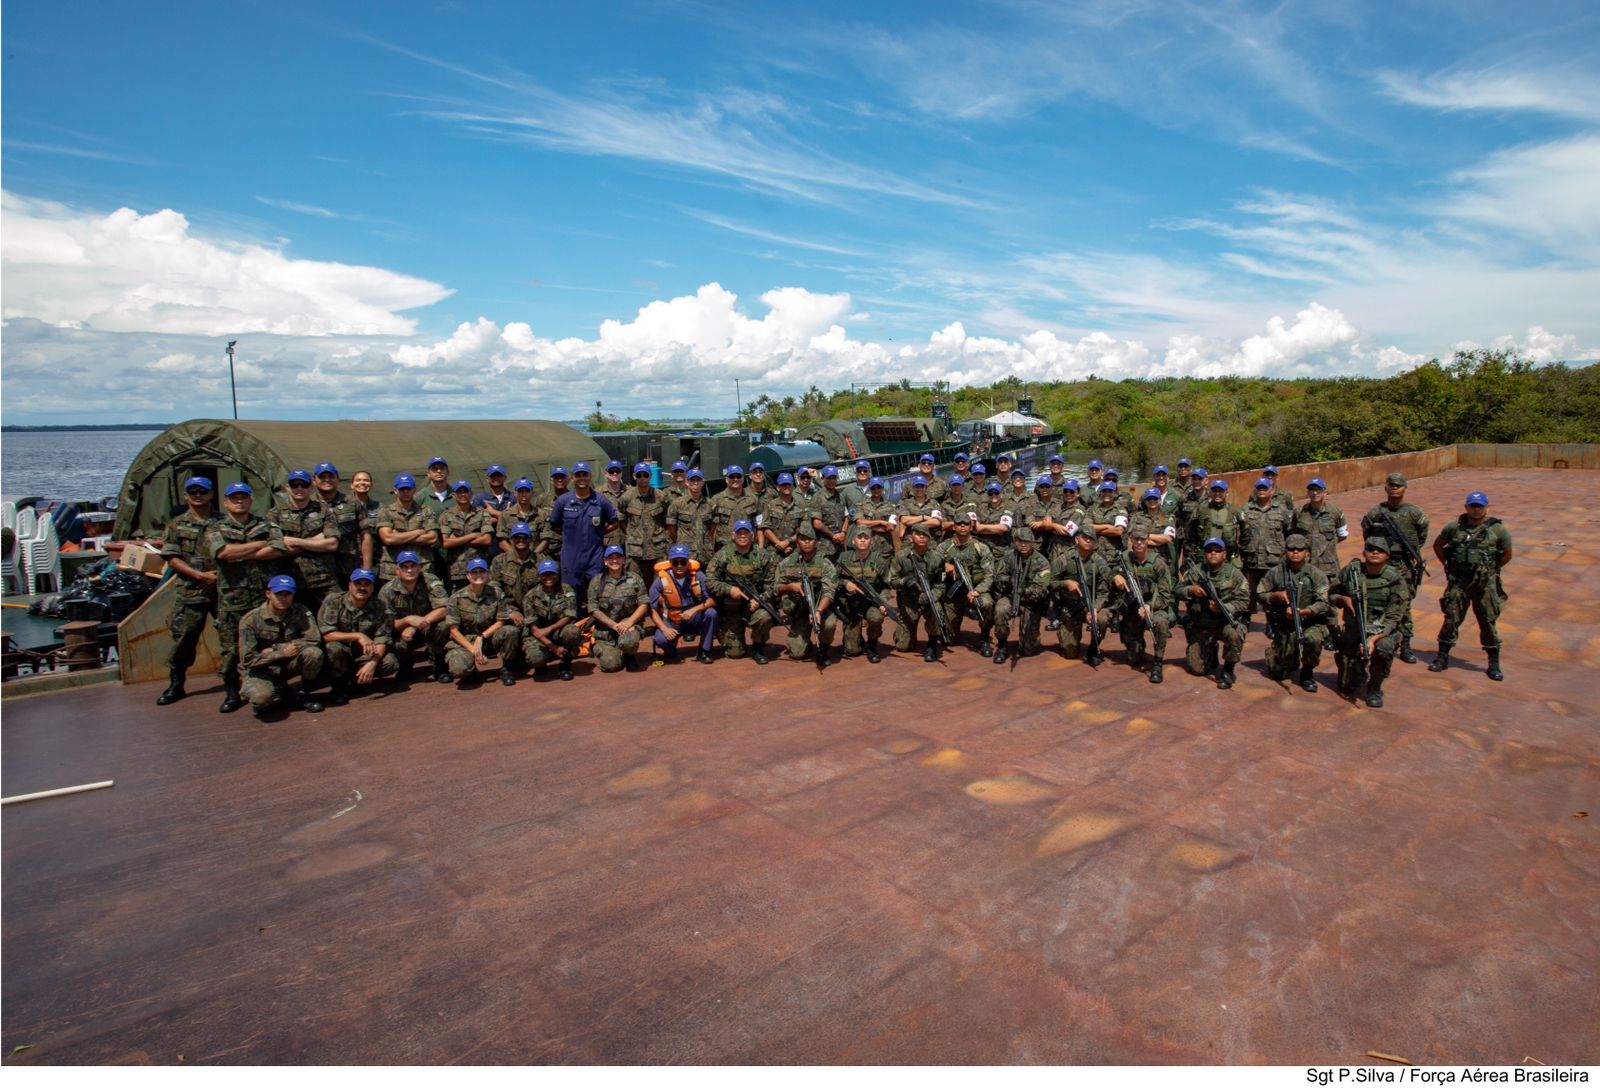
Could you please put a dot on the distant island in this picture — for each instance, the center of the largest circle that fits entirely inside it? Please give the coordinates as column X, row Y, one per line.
column 10, row 427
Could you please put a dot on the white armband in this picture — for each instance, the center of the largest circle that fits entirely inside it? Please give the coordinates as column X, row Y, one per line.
column 1120, row 522
column 1344, row 531
column 894, row 519
column 972, row 516
column 937, row 516
column 759, row 519
column 1005, row 519
column 1072, row 528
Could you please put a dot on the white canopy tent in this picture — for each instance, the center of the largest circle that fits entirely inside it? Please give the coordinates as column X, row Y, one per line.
column 1015, row 423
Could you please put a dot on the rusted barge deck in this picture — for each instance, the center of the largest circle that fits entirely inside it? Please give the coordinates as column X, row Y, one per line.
column 901, row 863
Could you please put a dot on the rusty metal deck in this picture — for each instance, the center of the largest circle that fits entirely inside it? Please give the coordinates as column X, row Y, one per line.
column 900, row 863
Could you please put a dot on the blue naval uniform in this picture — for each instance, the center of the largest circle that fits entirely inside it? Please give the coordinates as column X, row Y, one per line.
column 582, row 524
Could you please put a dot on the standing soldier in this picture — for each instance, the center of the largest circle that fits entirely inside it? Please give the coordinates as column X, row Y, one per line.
column 1190, row 500
column 419, row 604
column 878, row 514
column 995, row 520
column 498, row 500
column 681, row 605
column 1156, row 526
column 1142, row 566
column 549, row 623
column 925, row 472
column 857, row 493
column 1322, row 524
column 1263, row 524
column 1042, row 514
column 618, row 602
column 183, row 547
column 522, row 511
column 759, row 489
column 915, row 567
column 1185, row 469
column 515, row 572
column 1021, row 591
column 1081, row 580
column 547, row 544
column 919, row 509
column 1279, row 498
column 1215, row 595
column 279, row 640
column 361, row 496
column 614, row 486
column 1110, row 521
column 584, row 518
column 679, row 487
column 861, row 567
column 1375, row 599
column 437, row 496
column 738, row 613
column 1474, row 549
column 345, row 519
column 958, row 506
column 781, row 517
column 643, row 513
column 479, row 621
column 963, row 553
column 405, row 525
column 1018, row 495
column 828, row 514
column 357, row 632
column 689, row 516
column 1295, row 584
column 466, row 533
column 1215, row 520
column 1405, row 527
column 313, row 553
column 730, row 507
column 244, row 548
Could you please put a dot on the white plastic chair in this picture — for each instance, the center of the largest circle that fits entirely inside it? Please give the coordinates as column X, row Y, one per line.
column 41, row 556
column 8, row 515
column 27, row 523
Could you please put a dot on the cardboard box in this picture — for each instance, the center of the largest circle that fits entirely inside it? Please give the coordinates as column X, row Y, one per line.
column 144, row 560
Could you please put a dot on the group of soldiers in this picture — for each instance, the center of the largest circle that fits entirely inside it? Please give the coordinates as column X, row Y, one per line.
column 333, row 587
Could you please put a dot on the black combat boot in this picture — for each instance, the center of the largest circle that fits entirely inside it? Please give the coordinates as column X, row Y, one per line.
column 1155, row 673
column 704, row 657
column 873, row 654
column 1494, row 666
column 1225, row 678
column 932, row 651
column 339, row 693
column 565, row 670
column 760, row 654
column 1375, row 693
column 630, row 662
column 441, row 671
column 1001, row 653
column 1307, row 681
column 174, row 690
column 1405, row 653
column 985, row 648
column 308, row 702
column 1441, row 662
column 1093, row 656
column 231, row 699
column 507, row 677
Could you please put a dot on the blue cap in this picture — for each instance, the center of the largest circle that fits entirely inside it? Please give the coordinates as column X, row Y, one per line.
column 523, row 484
column 919, row 481
column 197, row 481
column 864, row 465
column 1215, row 542
column 1071, row 485
column 439, row 461
column 1003, row 457
column 1018, row 474
column 300, row 476
column 614, row 464
column 1043, row 481
column 979, row 469
column 582, row 466
column 785, row 478
column 326, row 466
column 1112, row 474
column 1477, row 498
column 957, row 480
column 962, row 456
column 743, row 526
column 733, row 470
column 1219, row 485
column 1270, row 470
column 994, row 488
column 405, row 480
column 1153, row 493
column 925, row 459
column 830, row 472
column 696, row 474
column 1107, row 486
column 1317, row 481
column 476, row 565
column 876, row 481
column 1096, row 464
column 559, row 470
column 1057, row 459
column 362, row 574
column 1161, row 470
column 238, row 489
column 281, row 584
column 522, row 528
column 757, row 466
column 678, row 551
column 1200, row 473
column 495, row 470
column 641, row 469
column 1264, row 483
column 407, row 557
column 546, row 566
column 613, row 549
column 680, row 466
column 1184, row 462
column 461, row 485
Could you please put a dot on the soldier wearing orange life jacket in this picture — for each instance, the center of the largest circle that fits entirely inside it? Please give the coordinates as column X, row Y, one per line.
column 681, row 605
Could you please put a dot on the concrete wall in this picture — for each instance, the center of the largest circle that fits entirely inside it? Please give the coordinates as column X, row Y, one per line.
column 1529, row 455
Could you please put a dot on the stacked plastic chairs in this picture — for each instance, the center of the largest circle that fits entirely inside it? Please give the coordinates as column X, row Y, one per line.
column 41, row 550
column 8, row 563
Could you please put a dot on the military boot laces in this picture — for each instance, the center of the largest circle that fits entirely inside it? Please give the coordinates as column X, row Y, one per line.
column 174, row 690
column 1494, row 666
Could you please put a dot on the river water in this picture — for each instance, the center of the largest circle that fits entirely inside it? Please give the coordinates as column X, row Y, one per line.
column 68, row 464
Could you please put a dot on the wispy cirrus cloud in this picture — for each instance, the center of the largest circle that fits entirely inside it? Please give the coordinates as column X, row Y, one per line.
column 296, row 206
column 1550, row 89
column 771, row 236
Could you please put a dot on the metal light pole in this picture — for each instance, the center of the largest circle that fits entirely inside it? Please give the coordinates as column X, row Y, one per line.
column 231, row 386
column 738, row 403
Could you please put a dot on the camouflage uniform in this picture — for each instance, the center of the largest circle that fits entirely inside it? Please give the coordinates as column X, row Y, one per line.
column 883, row 542
column 1146, row 525
column 617, row 599
column 1205, row 629
column 1321, row 529
column 824, row 584
column 909, row 599
column 1207, row 521
column 997, row 514
column 1094, row 576
column 1472, row 573
column 345, row 517
column 472, row 615
column 830, row 510
column 509, row 517
column 1155, row 583
column 428, row 595
column 1311, row 590
column 728, row 508
column 690, row 521
column 469, row 522
column 1034, row 593
column 541, row 608
column 782, row 520
column 316, row 574
column 185, row 539
column 1413, row 525
column 547, row 536
column 1262, row 530
column 855, row 609
column 1388, row 600
column 241, row 584
column 733, row 617
column 396, row 517
column 513, row 577
column 1115, row 515
column 261, row 633
column 936, row 486
column 340, row 614
column 979, row 563
column 926, row 510
column 644, row 529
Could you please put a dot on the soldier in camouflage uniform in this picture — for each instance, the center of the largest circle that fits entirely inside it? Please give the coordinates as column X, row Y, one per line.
column 678, row 487
column 1295, row 583
column 313, row 554
column 857, row 493
column 344, row 517
column 277, row 641
column 1391, row 514
column 524, row 510
column 1141, row 566
column 1263, row 523
column 741, row 622
column 1322, row 524
column 918, row 508
column 643, row 512
column 1370, row 589
column 183, row 547
column 515, row 572
column 1215, row 520
column 1081, row 581
column 781, row 517
column 613, row 486
column 878, row 514
column 731, row 506
column 1021, row 590
column 916, row 565
column 479, row 620
column 1278, row 498
column 681, row 605
column 958, row 506
column 417, row 601
column 1109, row 517
column 405, row 525
column 925, row 472
column 550, row 623
column 861, row 566
column 996, row 520
column 496, row 501
column 1209, row 627
column 759, row 489
column 466, row 533
column 827, row 515
column 357, row 633
column 618, row 603
column 245, row 548
column 548, row 543
column 978, row 562
column 689, row 517
column 1159, row 530
column 789, row 589
column 1018, row 495
column 1042, row 514
column 1473, row 548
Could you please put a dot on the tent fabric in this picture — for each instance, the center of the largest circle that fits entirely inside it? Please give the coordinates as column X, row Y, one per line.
column 1017, row 423
column 262, row 453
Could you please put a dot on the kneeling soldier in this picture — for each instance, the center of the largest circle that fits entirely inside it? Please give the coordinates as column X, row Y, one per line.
column 1148, row 571
column 915, row 573
column 1082, row 583
column 681, row 605
column 277, row 641
column 1021, row 591
column 357, row 631
column 744, row 562
column 811, row 622
column 963, row 554
column 1376, row 599
column 1215, row 622
column 479, row 619
column 618, row 601
column 550, row 623
column 861, row 567
column 1295, row 585
column 418, row 603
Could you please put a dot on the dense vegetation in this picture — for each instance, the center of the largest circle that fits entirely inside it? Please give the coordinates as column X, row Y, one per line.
column 1233, row 423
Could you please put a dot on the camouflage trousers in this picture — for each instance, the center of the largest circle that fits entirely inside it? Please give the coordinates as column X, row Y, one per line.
column 1281, row 654
column 800, row 626
column 1351, row 668
column 1484, row 599
column 1206, row 639
column 913, row 611
column 267, row 686
column 1131, row 629
column 611, row 650
column 740, row 630
column 187, row 625
column 870, row 618
column 501, row 644
column 429, row 648
column 567, row 640
column 956, row 611
column 1075, row 624
column 1027, row 623
column 343, row 661
column 228, row 645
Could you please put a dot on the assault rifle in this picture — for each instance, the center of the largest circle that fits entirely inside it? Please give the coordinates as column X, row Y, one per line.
column 963, row 586
column 1413, row 558
column 1289, row 637
column 808, row 593
column 935, row 613
column 743, row 586
column 1016, row 605
column 1356, row 592
column 873, row 595
column 1212, row 595
column 1137, row 594
column 1086, row 591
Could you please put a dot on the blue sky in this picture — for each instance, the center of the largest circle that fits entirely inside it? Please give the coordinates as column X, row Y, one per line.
column 476, row 209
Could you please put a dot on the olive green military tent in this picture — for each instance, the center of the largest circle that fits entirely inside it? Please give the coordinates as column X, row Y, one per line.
column 262, row 453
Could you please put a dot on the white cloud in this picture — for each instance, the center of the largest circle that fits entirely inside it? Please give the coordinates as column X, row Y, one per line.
column 1549, row 193
column 1550, row 89
column 296, row 206
column 129, row 272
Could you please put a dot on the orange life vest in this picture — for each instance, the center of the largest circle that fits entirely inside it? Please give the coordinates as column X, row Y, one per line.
column 669, row 589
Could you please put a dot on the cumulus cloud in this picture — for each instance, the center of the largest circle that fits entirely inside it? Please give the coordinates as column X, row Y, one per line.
column 132, row 272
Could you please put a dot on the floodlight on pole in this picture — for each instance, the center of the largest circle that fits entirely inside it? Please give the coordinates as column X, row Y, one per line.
column 232, row 387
